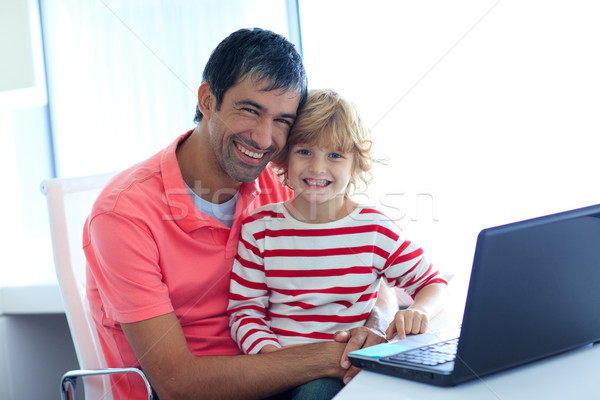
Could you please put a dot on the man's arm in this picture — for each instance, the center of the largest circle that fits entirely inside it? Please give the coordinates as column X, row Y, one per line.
column 175, row 373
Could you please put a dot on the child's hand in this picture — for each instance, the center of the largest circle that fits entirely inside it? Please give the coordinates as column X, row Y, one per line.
column 407, row 322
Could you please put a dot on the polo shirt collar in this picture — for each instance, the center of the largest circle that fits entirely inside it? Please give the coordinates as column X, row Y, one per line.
column 180, row 204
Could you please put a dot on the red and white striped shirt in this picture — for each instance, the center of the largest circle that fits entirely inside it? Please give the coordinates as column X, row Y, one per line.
column 294, row 282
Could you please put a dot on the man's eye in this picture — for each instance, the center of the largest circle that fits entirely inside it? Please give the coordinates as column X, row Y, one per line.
column 250, row 110
column 284, row 121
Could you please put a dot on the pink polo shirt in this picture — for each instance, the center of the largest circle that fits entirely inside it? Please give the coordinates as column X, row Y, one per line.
column 151, row 252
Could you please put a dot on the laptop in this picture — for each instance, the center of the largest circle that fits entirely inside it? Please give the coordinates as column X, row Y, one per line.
column 534, row 292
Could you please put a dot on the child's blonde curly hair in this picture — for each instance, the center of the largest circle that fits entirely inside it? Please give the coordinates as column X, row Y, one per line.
column 328, row 120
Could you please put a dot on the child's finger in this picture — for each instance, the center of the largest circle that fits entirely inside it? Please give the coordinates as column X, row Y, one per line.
column 424, row 325
column 390, row 331
column 409, row 323
column 400, row 322
column 415, row 327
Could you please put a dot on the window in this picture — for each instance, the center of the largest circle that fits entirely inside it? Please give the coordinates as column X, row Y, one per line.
column 122, row 83
column 123, row 76
column 24, row 151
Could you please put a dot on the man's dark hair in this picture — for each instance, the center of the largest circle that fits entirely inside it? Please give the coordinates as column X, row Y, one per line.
column 258, row 54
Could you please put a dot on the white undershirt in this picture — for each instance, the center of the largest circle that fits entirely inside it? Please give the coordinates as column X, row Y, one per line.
column 221, row 212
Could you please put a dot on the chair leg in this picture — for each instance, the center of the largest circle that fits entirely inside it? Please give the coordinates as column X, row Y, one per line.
column 67, row 388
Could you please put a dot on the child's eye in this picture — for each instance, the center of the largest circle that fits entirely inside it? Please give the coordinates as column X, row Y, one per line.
column 303, row 152
column 336, row 155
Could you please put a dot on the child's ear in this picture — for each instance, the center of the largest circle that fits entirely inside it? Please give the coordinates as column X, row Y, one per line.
column 286, row 181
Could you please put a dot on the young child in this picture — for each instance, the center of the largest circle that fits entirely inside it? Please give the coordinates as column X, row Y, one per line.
column 312, row 266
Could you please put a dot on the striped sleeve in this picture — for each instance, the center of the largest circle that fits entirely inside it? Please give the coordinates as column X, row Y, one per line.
column 408, row 268
column 249, row 297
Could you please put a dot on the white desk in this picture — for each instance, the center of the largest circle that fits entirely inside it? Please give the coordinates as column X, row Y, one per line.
column 34, row 299
column 572, row 375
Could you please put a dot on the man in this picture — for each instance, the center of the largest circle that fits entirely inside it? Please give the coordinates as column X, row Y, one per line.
column 161, row 238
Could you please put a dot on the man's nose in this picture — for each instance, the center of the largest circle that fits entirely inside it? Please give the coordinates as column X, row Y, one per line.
column 262, row 134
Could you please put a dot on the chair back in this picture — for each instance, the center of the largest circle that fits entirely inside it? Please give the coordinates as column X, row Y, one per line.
column 69, row 203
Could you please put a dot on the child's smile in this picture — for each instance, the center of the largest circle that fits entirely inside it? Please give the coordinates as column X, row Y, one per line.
column 317, row 182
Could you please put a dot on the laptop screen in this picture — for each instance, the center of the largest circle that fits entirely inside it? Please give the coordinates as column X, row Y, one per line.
column 533, row 292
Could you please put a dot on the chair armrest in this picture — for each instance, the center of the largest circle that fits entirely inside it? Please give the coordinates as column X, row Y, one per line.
column 69, row 379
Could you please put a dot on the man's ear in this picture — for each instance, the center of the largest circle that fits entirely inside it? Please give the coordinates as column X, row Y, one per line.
column 206, row 100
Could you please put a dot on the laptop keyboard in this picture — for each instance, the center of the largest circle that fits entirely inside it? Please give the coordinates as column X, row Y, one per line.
column 430, row 355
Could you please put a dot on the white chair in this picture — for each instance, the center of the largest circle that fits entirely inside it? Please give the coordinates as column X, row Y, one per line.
column 69, row 203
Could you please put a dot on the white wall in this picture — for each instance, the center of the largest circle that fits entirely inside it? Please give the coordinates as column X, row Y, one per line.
column 489, row 109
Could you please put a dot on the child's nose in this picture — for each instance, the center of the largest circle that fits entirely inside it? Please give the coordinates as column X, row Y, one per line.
column 317, row 165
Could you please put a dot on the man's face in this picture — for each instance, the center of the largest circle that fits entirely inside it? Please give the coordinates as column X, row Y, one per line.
column 250, row 127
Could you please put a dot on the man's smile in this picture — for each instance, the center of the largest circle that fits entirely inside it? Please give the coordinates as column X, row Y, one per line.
column 248, row 152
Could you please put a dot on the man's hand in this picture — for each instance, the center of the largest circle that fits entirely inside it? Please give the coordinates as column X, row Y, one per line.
column 372, row 333
column 355, row 339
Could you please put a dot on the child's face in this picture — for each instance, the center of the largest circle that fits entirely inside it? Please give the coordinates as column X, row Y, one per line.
column 319, row 175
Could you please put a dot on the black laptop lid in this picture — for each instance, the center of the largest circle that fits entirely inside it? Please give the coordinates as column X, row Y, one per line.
column 534, row 292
